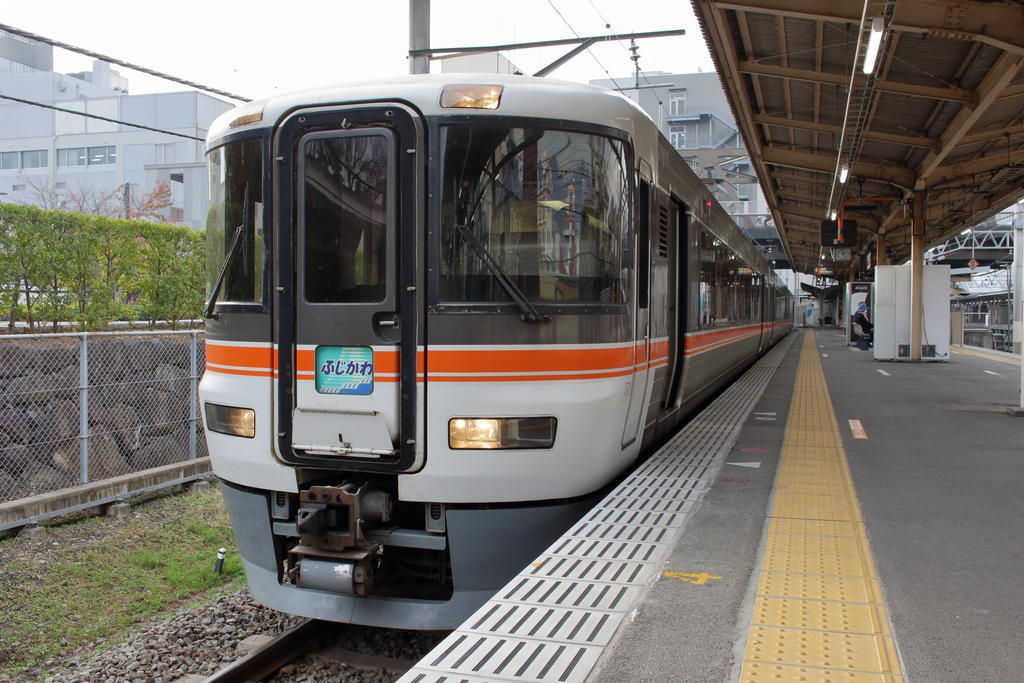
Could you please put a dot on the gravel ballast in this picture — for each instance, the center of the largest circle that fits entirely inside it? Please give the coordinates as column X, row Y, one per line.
column 203, row 640
column 61, row 619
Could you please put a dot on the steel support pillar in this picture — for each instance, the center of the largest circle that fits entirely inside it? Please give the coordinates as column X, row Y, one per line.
column 1018, row 302
column 419, row 35
column 917, row 277
column 1018, row 283
column 880, row 247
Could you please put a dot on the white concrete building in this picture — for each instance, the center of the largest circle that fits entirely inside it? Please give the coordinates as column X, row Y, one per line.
column 46, row 156
column 693, row 113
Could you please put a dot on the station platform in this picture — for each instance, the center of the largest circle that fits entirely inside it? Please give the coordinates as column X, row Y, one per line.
column 828, row 518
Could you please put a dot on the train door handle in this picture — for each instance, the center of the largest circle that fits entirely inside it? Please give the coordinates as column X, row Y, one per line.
column 387, row 323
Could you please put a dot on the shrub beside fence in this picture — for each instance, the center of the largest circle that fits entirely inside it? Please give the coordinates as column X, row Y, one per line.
column 78, row 408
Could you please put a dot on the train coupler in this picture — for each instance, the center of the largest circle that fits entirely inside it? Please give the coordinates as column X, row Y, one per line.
column 333, row 553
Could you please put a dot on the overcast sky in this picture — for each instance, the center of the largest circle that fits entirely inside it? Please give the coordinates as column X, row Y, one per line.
column 250, row 50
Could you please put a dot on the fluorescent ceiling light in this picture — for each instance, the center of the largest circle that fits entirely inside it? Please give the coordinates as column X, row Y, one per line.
column 844, row 171
column 832, row 216
column 874, row 42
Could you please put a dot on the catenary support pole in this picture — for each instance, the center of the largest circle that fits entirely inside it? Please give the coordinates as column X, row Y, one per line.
column 419, row 35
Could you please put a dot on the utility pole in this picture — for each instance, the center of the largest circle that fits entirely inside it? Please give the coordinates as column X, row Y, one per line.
column 419, row 36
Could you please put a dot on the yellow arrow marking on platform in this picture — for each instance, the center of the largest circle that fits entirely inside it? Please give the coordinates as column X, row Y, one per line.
column 696, row 579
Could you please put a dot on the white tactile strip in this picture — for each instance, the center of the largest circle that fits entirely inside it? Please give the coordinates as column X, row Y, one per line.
column 553, row 621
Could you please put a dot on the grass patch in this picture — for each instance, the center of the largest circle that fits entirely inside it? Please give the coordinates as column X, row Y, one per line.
column 93, row 579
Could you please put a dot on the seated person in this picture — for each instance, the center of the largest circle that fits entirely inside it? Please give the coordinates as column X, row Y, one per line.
column 861, row 318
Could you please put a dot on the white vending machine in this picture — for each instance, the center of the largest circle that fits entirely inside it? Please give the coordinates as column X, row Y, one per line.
column 891, row 313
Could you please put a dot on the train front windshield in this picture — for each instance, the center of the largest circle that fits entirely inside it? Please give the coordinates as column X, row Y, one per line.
column 236, row 200
column 549, row 207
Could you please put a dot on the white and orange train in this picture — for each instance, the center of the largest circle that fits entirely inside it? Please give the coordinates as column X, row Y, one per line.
column 446, row 312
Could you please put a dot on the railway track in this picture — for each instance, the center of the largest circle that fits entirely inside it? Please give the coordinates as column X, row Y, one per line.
column 308, row 640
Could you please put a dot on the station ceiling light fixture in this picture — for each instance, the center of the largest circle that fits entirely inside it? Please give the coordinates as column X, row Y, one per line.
column 844, row 173
column 874, row 42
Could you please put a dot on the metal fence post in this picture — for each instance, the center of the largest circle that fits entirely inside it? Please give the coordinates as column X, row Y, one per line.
column 193, row 407
column 83, row 404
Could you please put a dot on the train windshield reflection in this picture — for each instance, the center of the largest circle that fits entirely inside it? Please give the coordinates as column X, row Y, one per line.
column 550, row 207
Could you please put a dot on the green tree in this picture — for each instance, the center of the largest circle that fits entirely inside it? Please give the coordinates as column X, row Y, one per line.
column 61, row 266
column 171, row 273
column 118, row 251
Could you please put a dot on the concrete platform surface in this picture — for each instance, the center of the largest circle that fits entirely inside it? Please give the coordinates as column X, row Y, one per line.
column 938, row 469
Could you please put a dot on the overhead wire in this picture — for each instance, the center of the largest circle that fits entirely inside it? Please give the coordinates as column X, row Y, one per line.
column 566, row 22
column 608, row 25
column 113, row 60
column 100, row 118
column 119, row 62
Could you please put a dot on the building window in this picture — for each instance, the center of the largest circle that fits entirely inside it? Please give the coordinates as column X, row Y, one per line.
column 71, row 156
column 163, row 153
column 61, row 186
column 36, row 158
column 102, row 155
column 177, row 214
column 677, row 102
column 677, row 136
column 17, row 188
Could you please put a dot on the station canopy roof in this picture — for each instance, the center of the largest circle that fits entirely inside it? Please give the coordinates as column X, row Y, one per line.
column 942, row 113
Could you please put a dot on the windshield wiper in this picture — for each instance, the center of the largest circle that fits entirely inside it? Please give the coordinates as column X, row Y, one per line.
column 235, row 241
column 529, row 312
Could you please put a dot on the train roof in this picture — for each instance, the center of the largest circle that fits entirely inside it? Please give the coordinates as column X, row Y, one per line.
column 522, row 96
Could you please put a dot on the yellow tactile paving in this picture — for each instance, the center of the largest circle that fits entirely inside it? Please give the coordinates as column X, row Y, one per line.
column 1009, row 360
column 806, row 543
column 815, row 527
column 778, row 672
column 810, row 586
column 822, row 615
column 819, row 613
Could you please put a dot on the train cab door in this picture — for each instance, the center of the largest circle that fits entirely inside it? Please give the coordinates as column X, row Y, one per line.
column 641, row 322
column 763, row 316
column 673, row 224
column 346, row 312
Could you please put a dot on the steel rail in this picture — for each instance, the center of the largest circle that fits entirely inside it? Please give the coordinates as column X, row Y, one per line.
column 265, row 661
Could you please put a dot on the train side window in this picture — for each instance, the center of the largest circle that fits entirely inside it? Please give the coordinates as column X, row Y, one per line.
column 707, row 280
column 345, row 218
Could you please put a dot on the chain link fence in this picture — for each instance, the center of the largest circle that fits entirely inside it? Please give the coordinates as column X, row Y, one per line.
column 79, row 408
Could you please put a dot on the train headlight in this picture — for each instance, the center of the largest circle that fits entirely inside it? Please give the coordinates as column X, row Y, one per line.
column 246, row 114
column 501, row 432
column 471, row 96
column 231, row 420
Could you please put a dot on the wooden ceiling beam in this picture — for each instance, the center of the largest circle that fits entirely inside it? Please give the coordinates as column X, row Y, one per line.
column 995, row 82
column 907, row 140
column 902, row 177
column 999, row 24
column 951, row 94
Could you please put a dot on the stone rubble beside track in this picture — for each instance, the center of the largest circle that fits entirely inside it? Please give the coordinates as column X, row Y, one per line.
column 203, row 640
